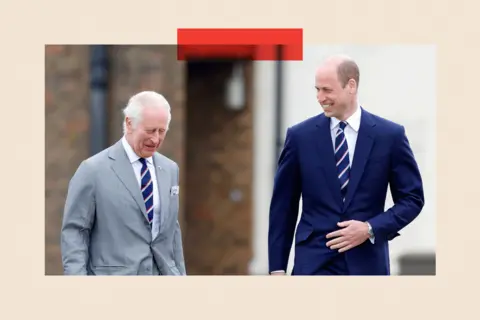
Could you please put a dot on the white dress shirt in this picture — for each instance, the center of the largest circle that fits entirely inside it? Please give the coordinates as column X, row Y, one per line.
column 137, row 167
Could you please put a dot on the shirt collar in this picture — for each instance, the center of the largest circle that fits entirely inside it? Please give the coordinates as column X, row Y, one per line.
column 353, row 121
column 132, row 156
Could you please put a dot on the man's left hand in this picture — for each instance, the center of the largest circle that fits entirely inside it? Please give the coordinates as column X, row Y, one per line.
column 353, row 234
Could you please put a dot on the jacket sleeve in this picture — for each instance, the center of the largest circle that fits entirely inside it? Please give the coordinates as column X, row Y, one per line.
column 177, row 240
column 407, row 191
column 78, row 218
column 284, row 206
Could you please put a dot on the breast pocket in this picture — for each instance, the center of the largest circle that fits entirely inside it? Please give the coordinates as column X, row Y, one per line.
column 174, row 199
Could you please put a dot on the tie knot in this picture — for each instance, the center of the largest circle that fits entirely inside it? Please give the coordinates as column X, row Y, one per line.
column 343, row 124
column 142, row 161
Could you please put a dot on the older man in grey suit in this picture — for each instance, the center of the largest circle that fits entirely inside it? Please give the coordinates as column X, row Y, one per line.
column 121, row 211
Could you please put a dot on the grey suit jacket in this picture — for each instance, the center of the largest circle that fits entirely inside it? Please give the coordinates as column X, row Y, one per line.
column 105, row 230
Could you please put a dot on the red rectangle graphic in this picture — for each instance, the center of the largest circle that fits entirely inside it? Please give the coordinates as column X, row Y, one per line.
column 251, row 44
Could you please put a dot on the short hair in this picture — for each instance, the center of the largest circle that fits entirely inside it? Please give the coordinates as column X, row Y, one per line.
column 136, row 103
column 347, row 70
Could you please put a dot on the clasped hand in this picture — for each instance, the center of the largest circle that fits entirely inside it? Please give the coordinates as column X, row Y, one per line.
column 352, row 234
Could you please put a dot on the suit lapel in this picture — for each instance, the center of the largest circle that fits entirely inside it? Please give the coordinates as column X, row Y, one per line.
column 163, row 180
column 327, row 156
column 365, row 140
column 124, row 171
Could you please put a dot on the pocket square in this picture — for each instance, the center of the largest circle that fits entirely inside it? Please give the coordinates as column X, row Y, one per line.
column 174, row 191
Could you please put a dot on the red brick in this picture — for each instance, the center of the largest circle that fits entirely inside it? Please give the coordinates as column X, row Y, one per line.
column 66, row 136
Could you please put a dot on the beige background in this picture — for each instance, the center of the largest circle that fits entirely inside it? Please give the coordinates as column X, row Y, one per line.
column 29, row 294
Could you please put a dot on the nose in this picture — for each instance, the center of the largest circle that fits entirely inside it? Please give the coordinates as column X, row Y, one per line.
column 320, row 97
column 156, row 137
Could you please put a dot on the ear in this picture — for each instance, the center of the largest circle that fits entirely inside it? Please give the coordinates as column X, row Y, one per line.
column 129, row 124
column 352, row 86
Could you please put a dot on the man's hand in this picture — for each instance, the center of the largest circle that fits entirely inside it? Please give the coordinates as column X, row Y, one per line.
column 353, row 234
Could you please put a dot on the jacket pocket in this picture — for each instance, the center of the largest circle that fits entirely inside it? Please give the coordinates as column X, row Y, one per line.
column 303, row 235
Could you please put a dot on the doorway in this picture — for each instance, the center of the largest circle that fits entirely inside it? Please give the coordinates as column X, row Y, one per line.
column 219, row 168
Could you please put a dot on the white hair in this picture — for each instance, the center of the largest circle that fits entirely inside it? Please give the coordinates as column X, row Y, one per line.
column 136, row 103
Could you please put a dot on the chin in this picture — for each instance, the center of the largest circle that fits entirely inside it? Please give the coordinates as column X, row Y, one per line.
column 148, row 153
column 327, row 114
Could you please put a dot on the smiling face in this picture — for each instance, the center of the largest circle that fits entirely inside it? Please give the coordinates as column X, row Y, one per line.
column 146, row 134
column 336, row 89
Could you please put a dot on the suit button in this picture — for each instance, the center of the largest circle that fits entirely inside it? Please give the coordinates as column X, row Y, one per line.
column 147, row 268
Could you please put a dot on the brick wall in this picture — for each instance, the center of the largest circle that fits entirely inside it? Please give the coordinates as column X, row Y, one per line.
column 66, row 135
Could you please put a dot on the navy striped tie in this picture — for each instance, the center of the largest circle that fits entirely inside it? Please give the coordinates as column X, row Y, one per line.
column 147, row 189
column 342, row 158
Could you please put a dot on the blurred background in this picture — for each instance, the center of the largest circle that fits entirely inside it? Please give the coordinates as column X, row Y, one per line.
column 229, row 118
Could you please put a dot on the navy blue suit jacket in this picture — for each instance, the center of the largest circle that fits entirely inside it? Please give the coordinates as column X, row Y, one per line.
column 306, row 168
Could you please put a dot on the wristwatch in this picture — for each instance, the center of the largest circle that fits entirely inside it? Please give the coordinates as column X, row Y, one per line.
column 370, row 230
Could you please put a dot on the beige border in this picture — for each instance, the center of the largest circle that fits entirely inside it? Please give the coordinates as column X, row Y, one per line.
column 27, row 27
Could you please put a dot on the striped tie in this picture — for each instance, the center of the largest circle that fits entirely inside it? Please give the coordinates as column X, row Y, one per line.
column 147, row 189
column 342, row 158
